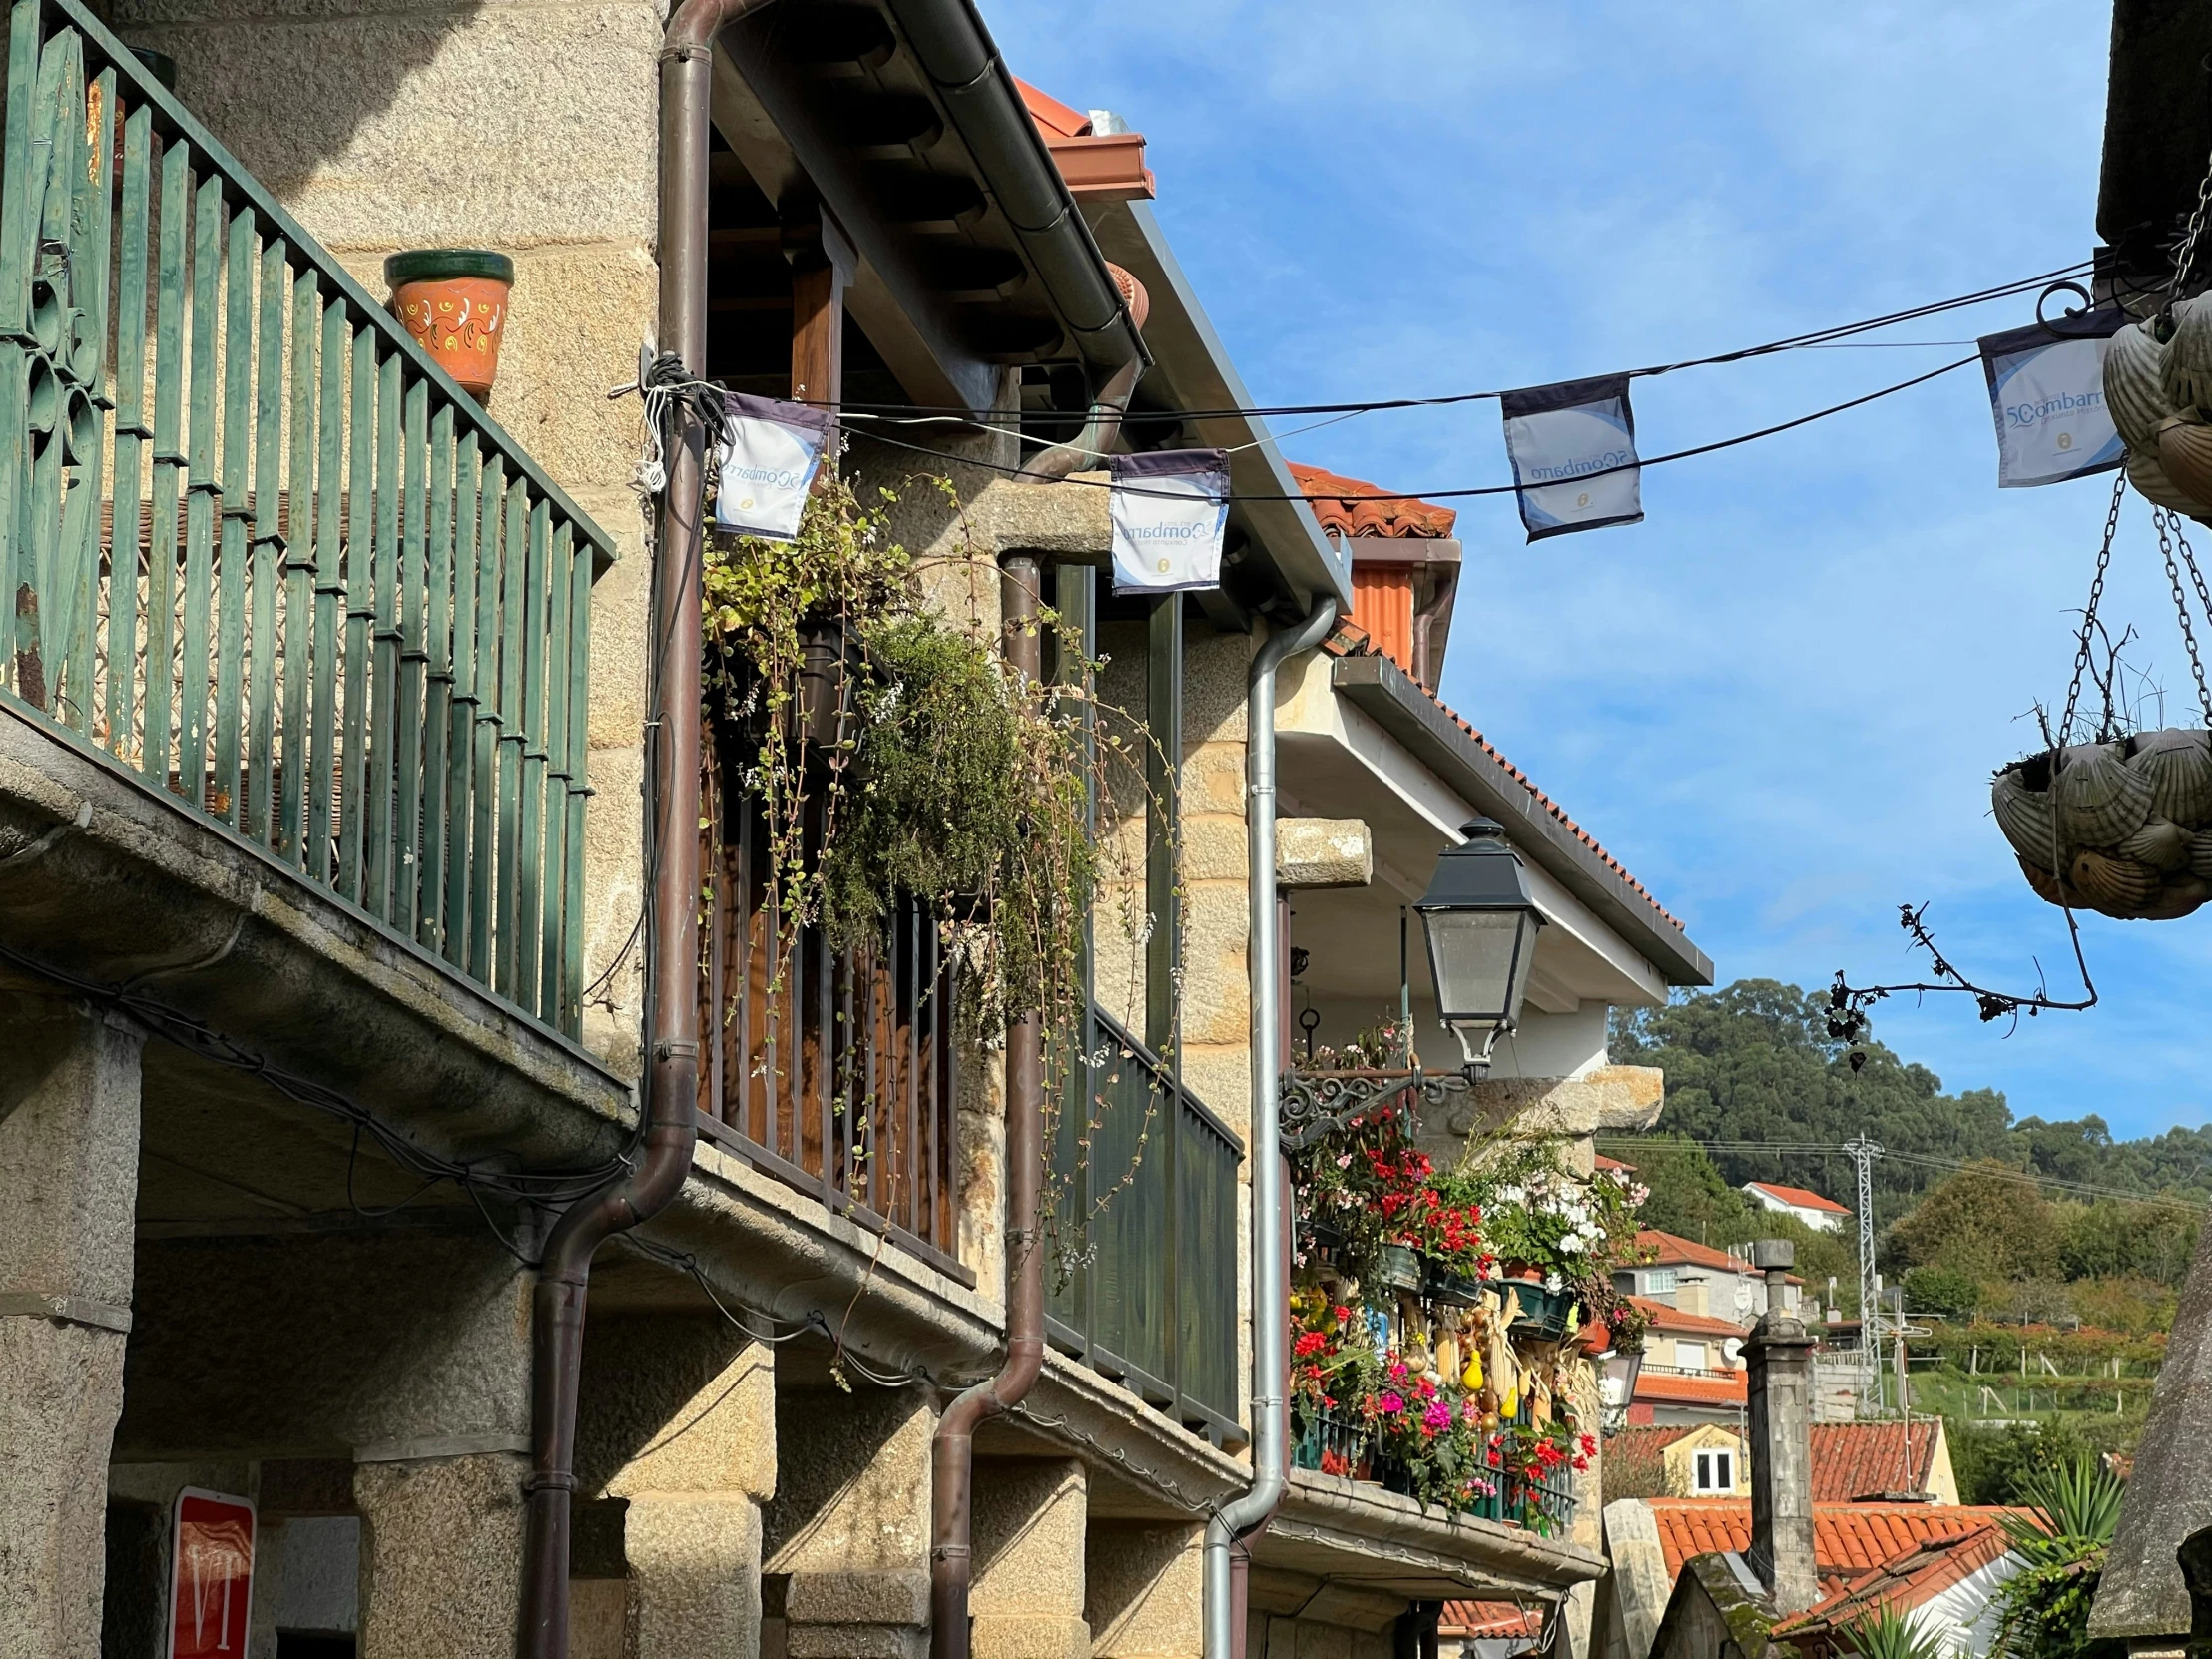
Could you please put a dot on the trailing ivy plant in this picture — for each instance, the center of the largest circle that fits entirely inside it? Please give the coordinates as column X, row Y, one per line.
column 948, row 780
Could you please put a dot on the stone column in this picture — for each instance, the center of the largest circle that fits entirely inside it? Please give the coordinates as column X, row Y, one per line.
column 677, row 1421
column 68, row 1141
column 1142, row 1591
column 847, row 1533
column 1028, row 1598
column 1779, row 1354
column 441, row 1554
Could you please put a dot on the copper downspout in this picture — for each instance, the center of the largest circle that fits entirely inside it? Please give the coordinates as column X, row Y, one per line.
column 952, row 1454
column 670, row 1083
column 1101, row 427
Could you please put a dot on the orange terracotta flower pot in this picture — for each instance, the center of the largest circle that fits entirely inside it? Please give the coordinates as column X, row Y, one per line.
column 455, row 301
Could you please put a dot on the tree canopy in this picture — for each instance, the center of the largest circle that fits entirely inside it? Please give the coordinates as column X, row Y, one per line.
column 1753, row 1062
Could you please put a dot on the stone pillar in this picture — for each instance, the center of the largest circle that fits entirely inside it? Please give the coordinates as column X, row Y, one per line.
column 1142, row 1591
column 847, row 1533
column 677, row 1421
column 441, row 1554
column 407, row 1345
column 1778, row 1354
column 68, row 1141
column 1027, row 1597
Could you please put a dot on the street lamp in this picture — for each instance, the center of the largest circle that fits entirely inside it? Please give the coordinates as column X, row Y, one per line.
column 1617, row 1387
column 1482, row 924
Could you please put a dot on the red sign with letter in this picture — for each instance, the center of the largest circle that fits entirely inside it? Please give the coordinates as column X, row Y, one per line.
column 210, row 1580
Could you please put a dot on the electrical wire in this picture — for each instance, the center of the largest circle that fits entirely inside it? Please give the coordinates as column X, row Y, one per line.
column 1817, row 337
column 2027, row 1178
column 1486, row 489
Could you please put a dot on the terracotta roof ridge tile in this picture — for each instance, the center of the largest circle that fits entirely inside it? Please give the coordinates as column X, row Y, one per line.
column 1347, row 506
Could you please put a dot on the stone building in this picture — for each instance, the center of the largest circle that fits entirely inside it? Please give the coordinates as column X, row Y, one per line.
column 328, row 951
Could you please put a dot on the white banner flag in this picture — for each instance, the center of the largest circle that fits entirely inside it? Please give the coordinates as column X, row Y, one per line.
column 769, row 455
column 1573, row 448
column 2047, row 389
column 1167, row 510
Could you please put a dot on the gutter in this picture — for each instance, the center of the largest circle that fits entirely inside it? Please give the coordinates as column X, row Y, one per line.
column 670, row 1105
column 956, row 52
column 1385, row 693
column 1235, row 1521
column 952, row 1447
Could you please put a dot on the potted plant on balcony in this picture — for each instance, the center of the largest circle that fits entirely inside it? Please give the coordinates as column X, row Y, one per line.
column 1558, row 1236
column 453, row 301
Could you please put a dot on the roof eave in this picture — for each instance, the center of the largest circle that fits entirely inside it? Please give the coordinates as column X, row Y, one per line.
column 1388, row 695
column 1191, row 358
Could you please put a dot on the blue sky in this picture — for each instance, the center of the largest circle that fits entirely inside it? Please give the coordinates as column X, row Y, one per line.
column 1779, row 698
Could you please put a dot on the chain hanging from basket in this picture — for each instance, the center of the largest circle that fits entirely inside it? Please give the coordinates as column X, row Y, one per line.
column 2112, row 819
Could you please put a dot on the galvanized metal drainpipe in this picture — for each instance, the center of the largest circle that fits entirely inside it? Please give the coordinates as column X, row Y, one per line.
column 953, row 1452
column 670, row 1083
column 1240, row 1518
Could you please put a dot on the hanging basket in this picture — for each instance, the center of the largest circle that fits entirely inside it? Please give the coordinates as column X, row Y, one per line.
column 2121, row 827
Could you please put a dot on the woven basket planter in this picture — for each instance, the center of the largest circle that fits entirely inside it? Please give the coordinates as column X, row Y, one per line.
column 2122, row 828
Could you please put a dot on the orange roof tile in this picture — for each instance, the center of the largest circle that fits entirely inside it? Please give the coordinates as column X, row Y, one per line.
column 1647, row 1440
column 1342, row 506
column 1673, row 1250
column 1856, row 1460
column 1849, row 1540
column 1659, row 1387
column 1056, row 118
column 1107, row 167
column 1664, row 1318
column 1600, row 1160
column 1911, row 1577
column 1802, row 1197
column 1350, row 640
column 1475, row 1619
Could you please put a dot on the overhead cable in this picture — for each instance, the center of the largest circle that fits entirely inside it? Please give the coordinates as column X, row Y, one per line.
column 1814, row 338
column 1486, row 489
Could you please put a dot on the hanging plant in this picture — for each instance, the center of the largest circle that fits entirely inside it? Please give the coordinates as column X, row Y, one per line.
column 2110, row 817
column 896, row 758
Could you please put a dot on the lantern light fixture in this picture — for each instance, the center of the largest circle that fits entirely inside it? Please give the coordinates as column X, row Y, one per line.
column 1480, row 921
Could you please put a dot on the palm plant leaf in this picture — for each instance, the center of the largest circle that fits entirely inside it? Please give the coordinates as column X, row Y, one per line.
column 1888, row 1635
column 2075, row 1507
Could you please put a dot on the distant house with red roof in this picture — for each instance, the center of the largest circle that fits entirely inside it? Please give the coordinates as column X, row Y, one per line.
column 1692, row 1371
column 1934, row 1562
column 1944, row 1589
column 1823, row 1215
column 1698, row 1279
column 1853, row 1463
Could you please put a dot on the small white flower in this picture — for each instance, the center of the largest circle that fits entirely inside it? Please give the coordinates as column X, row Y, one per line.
column 1572, row 1244
column 1554, row 1284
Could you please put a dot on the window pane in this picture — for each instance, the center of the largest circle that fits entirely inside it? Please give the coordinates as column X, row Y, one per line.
column 1471, row 954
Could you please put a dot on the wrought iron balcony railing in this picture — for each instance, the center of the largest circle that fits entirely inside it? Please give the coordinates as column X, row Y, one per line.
column 832, row 1070
column 256, row 547
column 1146, row 1203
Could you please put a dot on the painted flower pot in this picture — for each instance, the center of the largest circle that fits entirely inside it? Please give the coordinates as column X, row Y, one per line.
column 455, row 301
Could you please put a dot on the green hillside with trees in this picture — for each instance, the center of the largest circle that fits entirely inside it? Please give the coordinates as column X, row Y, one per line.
column 1979, row 1216
column 2040, row 1261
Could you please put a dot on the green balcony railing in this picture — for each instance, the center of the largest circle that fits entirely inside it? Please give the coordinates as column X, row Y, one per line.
column 258, row 548
column 1145, row 1198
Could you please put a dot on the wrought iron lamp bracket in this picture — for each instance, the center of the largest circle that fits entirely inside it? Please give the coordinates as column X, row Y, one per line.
column 1313, row 1105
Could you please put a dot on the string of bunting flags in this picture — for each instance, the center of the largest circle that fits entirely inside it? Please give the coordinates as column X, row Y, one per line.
column 1571, row 446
